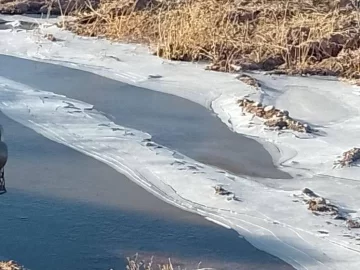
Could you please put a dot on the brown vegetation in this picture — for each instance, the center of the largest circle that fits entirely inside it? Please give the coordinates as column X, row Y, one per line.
column 135, row 263
column 10, row 265
column 308, row 36
column 318, row 204
column 275, row 118
column 349, row 158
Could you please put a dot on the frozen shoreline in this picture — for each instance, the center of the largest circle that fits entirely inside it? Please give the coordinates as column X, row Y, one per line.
column 265, row 211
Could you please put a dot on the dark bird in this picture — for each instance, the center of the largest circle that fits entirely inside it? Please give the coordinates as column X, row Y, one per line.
column 3, row 160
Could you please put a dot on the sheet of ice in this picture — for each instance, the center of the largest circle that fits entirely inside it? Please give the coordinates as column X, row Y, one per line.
column 267, row 214
column 35, row 19
column 328, row 105
column 79, row 126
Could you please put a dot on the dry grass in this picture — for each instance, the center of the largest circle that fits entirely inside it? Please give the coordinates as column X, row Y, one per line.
column 10, row 265
column 132, row 264
column 349, row 158
column 135, row 263
column 306, row 36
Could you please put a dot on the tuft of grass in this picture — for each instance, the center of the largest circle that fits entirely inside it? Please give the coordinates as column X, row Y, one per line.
column 10, row 265
column 308, row 36
column 134, row 263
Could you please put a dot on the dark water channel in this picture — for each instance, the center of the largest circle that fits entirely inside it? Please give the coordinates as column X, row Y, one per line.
column 172, row 121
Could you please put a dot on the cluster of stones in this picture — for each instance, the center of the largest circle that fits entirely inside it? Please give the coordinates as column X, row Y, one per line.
column 249, row 80
column 222, row 191
column 275, row 118
column 219, row 190
column 318, row 204
column 50, row 37
column 321, row 205
column 349, row 157
column 352, row 224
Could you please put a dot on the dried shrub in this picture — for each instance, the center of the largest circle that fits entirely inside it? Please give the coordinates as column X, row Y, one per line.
column 318, row 204
column 349, row 158
column 310, row 36
column 10, row 265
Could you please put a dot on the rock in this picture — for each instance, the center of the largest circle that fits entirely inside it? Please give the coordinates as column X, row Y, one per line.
column 319, row 204
column 275, row 118
column 309, row 193
column 349, row 157
column 352, row 224
column 249, row 80
column 247, row 100
column 50, row 37
column 34, row 6
column 272, row 62
column 277, row 123
column 269, row 108
column 22, row 7
column 222, row 191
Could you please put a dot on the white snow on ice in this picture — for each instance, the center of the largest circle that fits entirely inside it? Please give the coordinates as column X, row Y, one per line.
column 268, row 215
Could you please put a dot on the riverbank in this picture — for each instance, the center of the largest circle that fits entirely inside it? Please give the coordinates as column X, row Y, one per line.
column 44, row 7
column 291, row 37
column 285, row 37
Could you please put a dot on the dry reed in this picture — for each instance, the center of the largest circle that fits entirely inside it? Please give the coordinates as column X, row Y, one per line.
column 10, row 265
column 308, row 36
